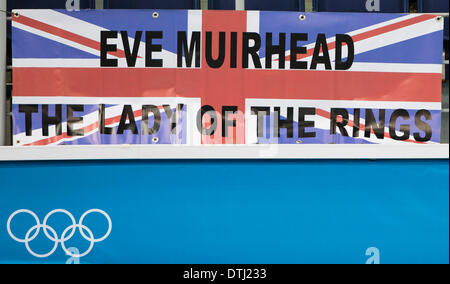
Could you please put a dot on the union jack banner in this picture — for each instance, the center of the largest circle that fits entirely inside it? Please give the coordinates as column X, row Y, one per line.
column 192, row 77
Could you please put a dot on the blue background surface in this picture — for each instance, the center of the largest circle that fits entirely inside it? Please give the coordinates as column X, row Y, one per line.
column 266, row 211
column 386, row 6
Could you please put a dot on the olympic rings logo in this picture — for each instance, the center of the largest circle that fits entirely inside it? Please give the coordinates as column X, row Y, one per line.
column 53, row 236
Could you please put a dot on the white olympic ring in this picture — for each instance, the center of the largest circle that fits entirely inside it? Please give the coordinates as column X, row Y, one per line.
column 54, row 236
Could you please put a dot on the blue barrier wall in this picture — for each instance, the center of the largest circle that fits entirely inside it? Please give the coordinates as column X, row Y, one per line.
column 46, row 4
column 386, row 6
column 307, row 211
column 263, row 5
column 152, row 4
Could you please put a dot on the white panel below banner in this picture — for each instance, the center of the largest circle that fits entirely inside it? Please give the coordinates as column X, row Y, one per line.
column 114, row 152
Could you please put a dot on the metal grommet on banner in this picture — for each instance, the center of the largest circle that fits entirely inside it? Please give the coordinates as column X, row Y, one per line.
column 16, row 14
column 299, row 142
column 155, row 139
column 439, row 18
column 155, row 15
column 302, row 17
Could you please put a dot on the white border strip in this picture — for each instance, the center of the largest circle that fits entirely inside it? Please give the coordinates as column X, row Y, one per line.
column 149, row 152
column 308, row 103
column 140, row 63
